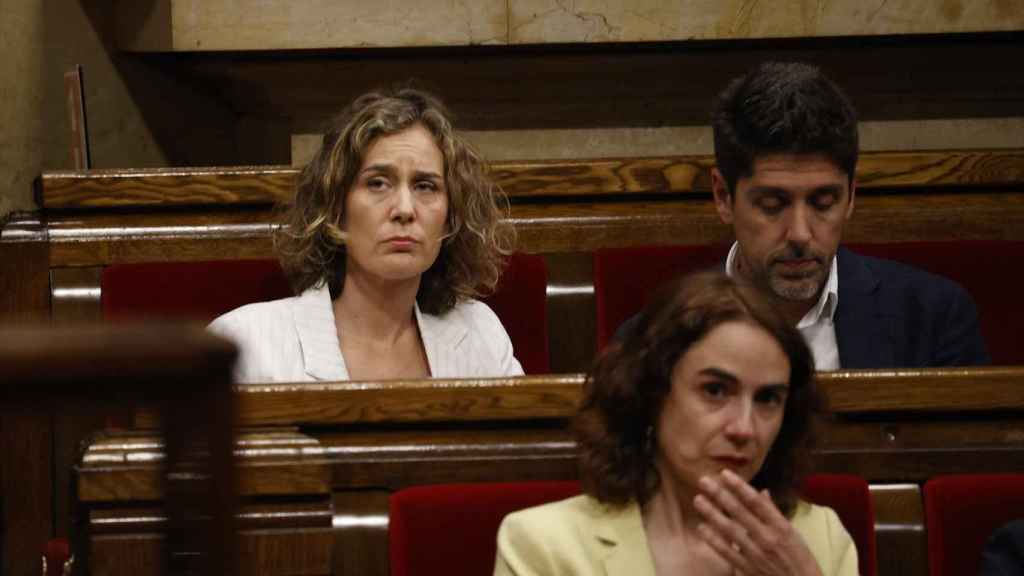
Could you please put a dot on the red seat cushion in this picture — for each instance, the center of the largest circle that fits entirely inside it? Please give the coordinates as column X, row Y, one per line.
column 431, row 525
column 625, row 279
column 520, row 301
column 850, row 497
column 203, row 290
column 988, row 269
column 452, row 529
column 56, row 552
column 962, row 511
column 198, row 291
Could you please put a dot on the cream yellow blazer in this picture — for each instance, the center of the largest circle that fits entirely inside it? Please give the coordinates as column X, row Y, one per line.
column 581, row 536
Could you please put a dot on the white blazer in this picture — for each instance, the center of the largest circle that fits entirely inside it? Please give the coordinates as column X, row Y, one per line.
column 294, row 340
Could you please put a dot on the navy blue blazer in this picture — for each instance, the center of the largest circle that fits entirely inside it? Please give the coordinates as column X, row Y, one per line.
column 892, row 315
column 1004, row 553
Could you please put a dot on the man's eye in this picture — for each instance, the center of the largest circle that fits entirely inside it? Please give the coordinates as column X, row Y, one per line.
column 770, row 205
column 823, row 202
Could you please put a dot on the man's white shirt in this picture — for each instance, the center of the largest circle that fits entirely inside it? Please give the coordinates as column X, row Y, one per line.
column 817, row 326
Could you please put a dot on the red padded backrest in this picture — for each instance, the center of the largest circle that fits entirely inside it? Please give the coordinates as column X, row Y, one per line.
column 521, row 303
column 203, row 290
column 431, row 525
column 452, row 529
column 626, row 278
column 850, row 497
column 962, row 511
column 198, row 291
column 990, row 270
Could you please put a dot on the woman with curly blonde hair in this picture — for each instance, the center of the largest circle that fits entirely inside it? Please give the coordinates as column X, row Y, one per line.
column 395, row 227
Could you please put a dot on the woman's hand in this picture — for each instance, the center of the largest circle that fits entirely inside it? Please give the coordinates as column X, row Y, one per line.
column 746, row 529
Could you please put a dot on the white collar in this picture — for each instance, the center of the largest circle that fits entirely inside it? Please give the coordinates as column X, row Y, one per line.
column 321, row 351
column 828, row 301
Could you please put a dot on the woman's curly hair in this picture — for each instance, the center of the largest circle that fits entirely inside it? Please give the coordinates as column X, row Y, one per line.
column 311, row 243
column 615, row 425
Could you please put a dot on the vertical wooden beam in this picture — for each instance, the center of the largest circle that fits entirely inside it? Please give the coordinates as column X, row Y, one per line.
column 24, row 271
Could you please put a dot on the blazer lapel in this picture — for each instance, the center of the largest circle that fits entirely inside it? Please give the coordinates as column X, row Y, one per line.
column 621, row 544
column 318, row 337
column 864, row 329
column 442, row 337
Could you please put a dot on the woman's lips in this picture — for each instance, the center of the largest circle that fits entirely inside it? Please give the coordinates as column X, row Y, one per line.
column 401, row 242
column 732, row 461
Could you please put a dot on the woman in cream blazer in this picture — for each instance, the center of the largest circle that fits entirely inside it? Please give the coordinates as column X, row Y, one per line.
column 394, row 229
column 691, row 433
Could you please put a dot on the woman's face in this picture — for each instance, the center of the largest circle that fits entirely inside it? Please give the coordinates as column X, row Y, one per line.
column 725, row 406
column 396, row 211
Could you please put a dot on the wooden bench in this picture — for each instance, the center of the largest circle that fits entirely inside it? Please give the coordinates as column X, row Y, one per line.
column 183, row 374
column 895, row 428
column 51, row 261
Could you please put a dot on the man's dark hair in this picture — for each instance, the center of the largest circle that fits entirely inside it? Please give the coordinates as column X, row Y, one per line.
column 782, row 107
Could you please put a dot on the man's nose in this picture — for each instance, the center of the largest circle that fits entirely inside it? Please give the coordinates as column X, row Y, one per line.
column 799, row 231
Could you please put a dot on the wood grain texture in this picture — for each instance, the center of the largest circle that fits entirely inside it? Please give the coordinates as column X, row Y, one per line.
column 42, row 368
column 561, row 227
column 119, row 467
column 959, row 390
column 412, row 401
column 954, row 390
column 26, row 486
column 670, row 175
column 24, row 271
column 902, row 547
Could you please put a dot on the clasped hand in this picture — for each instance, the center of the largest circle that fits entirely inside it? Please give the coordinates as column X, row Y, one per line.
column 746, row 529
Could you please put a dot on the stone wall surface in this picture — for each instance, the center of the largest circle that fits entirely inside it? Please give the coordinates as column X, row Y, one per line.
column 21, row 39
column 189, row 25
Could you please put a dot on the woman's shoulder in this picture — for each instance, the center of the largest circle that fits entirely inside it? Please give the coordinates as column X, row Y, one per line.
column 243, row 318
column 827, row 538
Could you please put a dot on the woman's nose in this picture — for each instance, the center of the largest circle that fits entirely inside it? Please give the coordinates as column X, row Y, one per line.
column 403, row 210
column 740, row 427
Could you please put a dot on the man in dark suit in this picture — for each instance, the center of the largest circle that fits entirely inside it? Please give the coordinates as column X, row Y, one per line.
column 786, row 149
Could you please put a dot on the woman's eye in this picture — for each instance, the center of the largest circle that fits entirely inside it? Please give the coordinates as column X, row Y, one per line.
column 427, row 186
column 771, row 397
column 376, row 183
column 714, row 389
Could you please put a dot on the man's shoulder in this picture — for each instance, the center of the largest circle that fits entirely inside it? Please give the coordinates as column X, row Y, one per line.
column 892, row 275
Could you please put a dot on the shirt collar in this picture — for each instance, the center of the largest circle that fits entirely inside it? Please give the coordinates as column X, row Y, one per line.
column 828, row 301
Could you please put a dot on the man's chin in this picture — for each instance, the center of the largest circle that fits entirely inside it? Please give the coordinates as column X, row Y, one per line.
column 796, row 290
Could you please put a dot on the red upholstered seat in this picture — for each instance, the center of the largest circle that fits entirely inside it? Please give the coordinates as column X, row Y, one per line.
column 850, row 497
column 431, row 525
column 198, row 291
column 626, row 278
column 203, row 290
column 521, row 303
column 990, row 270
column 960, row 514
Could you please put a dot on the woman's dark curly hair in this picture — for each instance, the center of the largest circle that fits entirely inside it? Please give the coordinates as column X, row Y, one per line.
column 625, row 391
column 311, row 243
